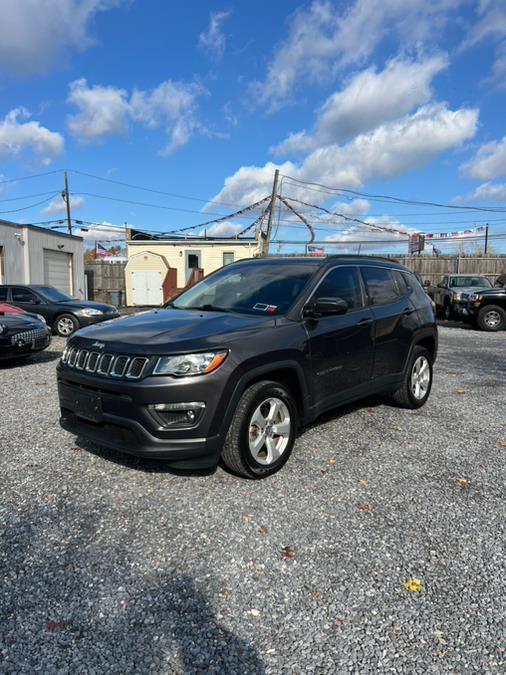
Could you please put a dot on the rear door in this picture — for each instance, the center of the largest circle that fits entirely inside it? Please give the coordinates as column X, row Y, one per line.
column 341, row 347
column 395, row 320
column 26, row 299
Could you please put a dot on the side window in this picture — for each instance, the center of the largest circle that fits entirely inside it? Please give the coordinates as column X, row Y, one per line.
column 228, row 257
column 342, row 282
column 401, row 282
column 380, row 285
column 23, row 295
column 3, row 294
column 417, row 291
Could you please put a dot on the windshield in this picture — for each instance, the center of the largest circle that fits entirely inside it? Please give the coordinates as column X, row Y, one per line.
column 466, row 282
column 249, row 289
column 53, row 294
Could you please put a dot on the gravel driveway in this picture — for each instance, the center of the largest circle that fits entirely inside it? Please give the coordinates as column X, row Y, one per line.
column 110, row 564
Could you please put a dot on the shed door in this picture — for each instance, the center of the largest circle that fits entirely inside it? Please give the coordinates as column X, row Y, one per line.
column 58, row 270
column 147, row 288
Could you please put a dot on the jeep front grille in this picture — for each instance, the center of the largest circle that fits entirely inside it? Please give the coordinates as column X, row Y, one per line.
column 107, row 365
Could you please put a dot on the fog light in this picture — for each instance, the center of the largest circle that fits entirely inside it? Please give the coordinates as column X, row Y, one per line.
column 177, row 415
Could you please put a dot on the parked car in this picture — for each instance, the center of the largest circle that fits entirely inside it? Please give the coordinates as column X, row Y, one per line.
column 22, row 334
column 62, row 312
column 485, row 309
column 234, row 365
column 5, row 308
column 447, row 294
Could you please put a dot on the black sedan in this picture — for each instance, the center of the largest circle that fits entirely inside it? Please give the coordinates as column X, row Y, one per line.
column 62, row 312
column 21, row 335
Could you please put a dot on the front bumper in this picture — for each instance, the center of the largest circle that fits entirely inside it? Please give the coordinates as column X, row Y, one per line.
column 11, row 350
column 116, row 414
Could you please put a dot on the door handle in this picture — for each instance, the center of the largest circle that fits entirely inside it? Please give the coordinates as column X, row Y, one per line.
column 364, row 321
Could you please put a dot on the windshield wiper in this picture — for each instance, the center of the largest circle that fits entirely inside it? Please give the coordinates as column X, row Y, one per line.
column 210, row 308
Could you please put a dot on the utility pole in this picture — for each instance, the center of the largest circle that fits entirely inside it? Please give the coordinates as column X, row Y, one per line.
column 65, row 197
column 265, row 242
column 485, row 248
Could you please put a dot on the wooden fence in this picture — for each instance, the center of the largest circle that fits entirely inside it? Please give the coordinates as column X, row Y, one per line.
column 433, row 268
column 106, row 282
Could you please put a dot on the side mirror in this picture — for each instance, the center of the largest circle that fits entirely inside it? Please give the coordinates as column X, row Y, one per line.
column 327, row 307
column 426, row 283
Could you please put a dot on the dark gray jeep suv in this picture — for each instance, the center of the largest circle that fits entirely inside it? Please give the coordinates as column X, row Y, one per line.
column 232, row 367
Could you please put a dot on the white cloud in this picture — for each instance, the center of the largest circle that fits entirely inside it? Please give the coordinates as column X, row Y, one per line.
column 490, row 25
column 489, row 162
column 105, row 111
column 391, row 228
column 103, row 232
column 102, row 112
column 225, row 229
column 390, row 150
column 494, row 192
column 214, row 40
column 18, row 137
column 498, row 76
column 171, row 105
column 363, row 104
column 322, row 39
column 35, row 32
column 57, row 206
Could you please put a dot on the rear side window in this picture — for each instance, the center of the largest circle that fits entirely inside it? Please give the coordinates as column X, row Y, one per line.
column 380, row 284
column 342, row 282
column 401, row 282
column 3, row 294
column 22, row 295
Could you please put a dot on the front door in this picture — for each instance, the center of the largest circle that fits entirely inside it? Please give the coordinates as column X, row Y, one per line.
column 342, row 346
column 192, row 260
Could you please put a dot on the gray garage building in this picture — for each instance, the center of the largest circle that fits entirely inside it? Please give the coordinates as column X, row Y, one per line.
column 35, row 255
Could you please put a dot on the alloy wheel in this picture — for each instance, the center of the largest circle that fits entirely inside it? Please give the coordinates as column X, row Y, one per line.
column 269, row 431
column 420, row 378
column 65, row 326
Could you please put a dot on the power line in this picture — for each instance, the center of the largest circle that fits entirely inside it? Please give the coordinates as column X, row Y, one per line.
column 33, row 175
column 154, row 191
column 37, row 194
column 26, row 208
column 397, row 200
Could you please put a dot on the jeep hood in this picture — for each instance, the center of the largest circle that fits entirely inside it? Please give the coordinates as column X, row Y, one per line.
column 174, row 329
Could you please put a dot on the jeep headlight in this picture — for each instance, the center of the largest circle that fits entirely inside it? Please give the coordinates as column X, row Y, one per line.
column 456, row 296
column 186, row 365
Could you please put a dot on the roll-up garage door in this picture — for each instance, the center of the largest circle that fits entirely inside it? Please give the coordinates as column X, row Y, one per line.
column 58, row 270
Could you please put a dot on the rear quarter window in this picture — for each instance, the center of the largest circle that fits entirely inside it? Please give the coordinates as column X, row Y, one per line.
column 3, row 294
column 416, row 290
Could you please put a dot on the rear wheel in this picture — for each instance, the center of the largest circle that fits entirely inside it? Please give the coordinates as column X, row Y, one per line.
column 65, row 325
column 491, row 318
column 262, row 432
column 417, row 383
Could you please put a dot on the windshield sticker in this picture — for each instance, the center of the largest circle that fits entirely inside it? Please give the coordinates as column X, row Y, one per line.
column 261, row 307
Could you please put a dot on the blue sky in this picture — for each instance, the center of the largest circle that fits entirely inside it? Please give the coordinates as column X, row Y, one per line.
column 205, row 100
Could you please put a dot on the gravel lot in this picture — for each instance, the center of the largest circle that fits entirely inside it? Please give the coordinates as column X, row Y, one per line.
column 110, row 564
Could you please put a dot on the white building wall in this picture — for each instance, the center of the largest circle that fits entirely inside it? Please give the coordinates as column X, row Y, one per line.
column 23, row 255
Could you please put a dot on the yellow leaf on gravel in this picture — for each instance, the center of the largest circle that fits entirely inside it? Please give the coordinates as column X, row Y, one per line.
column 413, row 585
column 247, row 518
column 461, row 391
column 462, row 481
column 332, row 460
column 362, row 481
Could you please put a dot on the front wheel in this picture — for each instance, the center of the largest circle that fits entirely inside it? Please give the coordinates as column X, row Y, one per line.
column 65, row 325
column 491, row 318
column 262, row 432
column 415, row 388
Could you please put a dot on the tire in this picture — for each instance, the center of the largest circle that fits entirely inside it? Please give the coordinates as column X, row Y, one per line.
column 248, row 428
column 65, row 325
column 406, row 396
column 491, row 318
